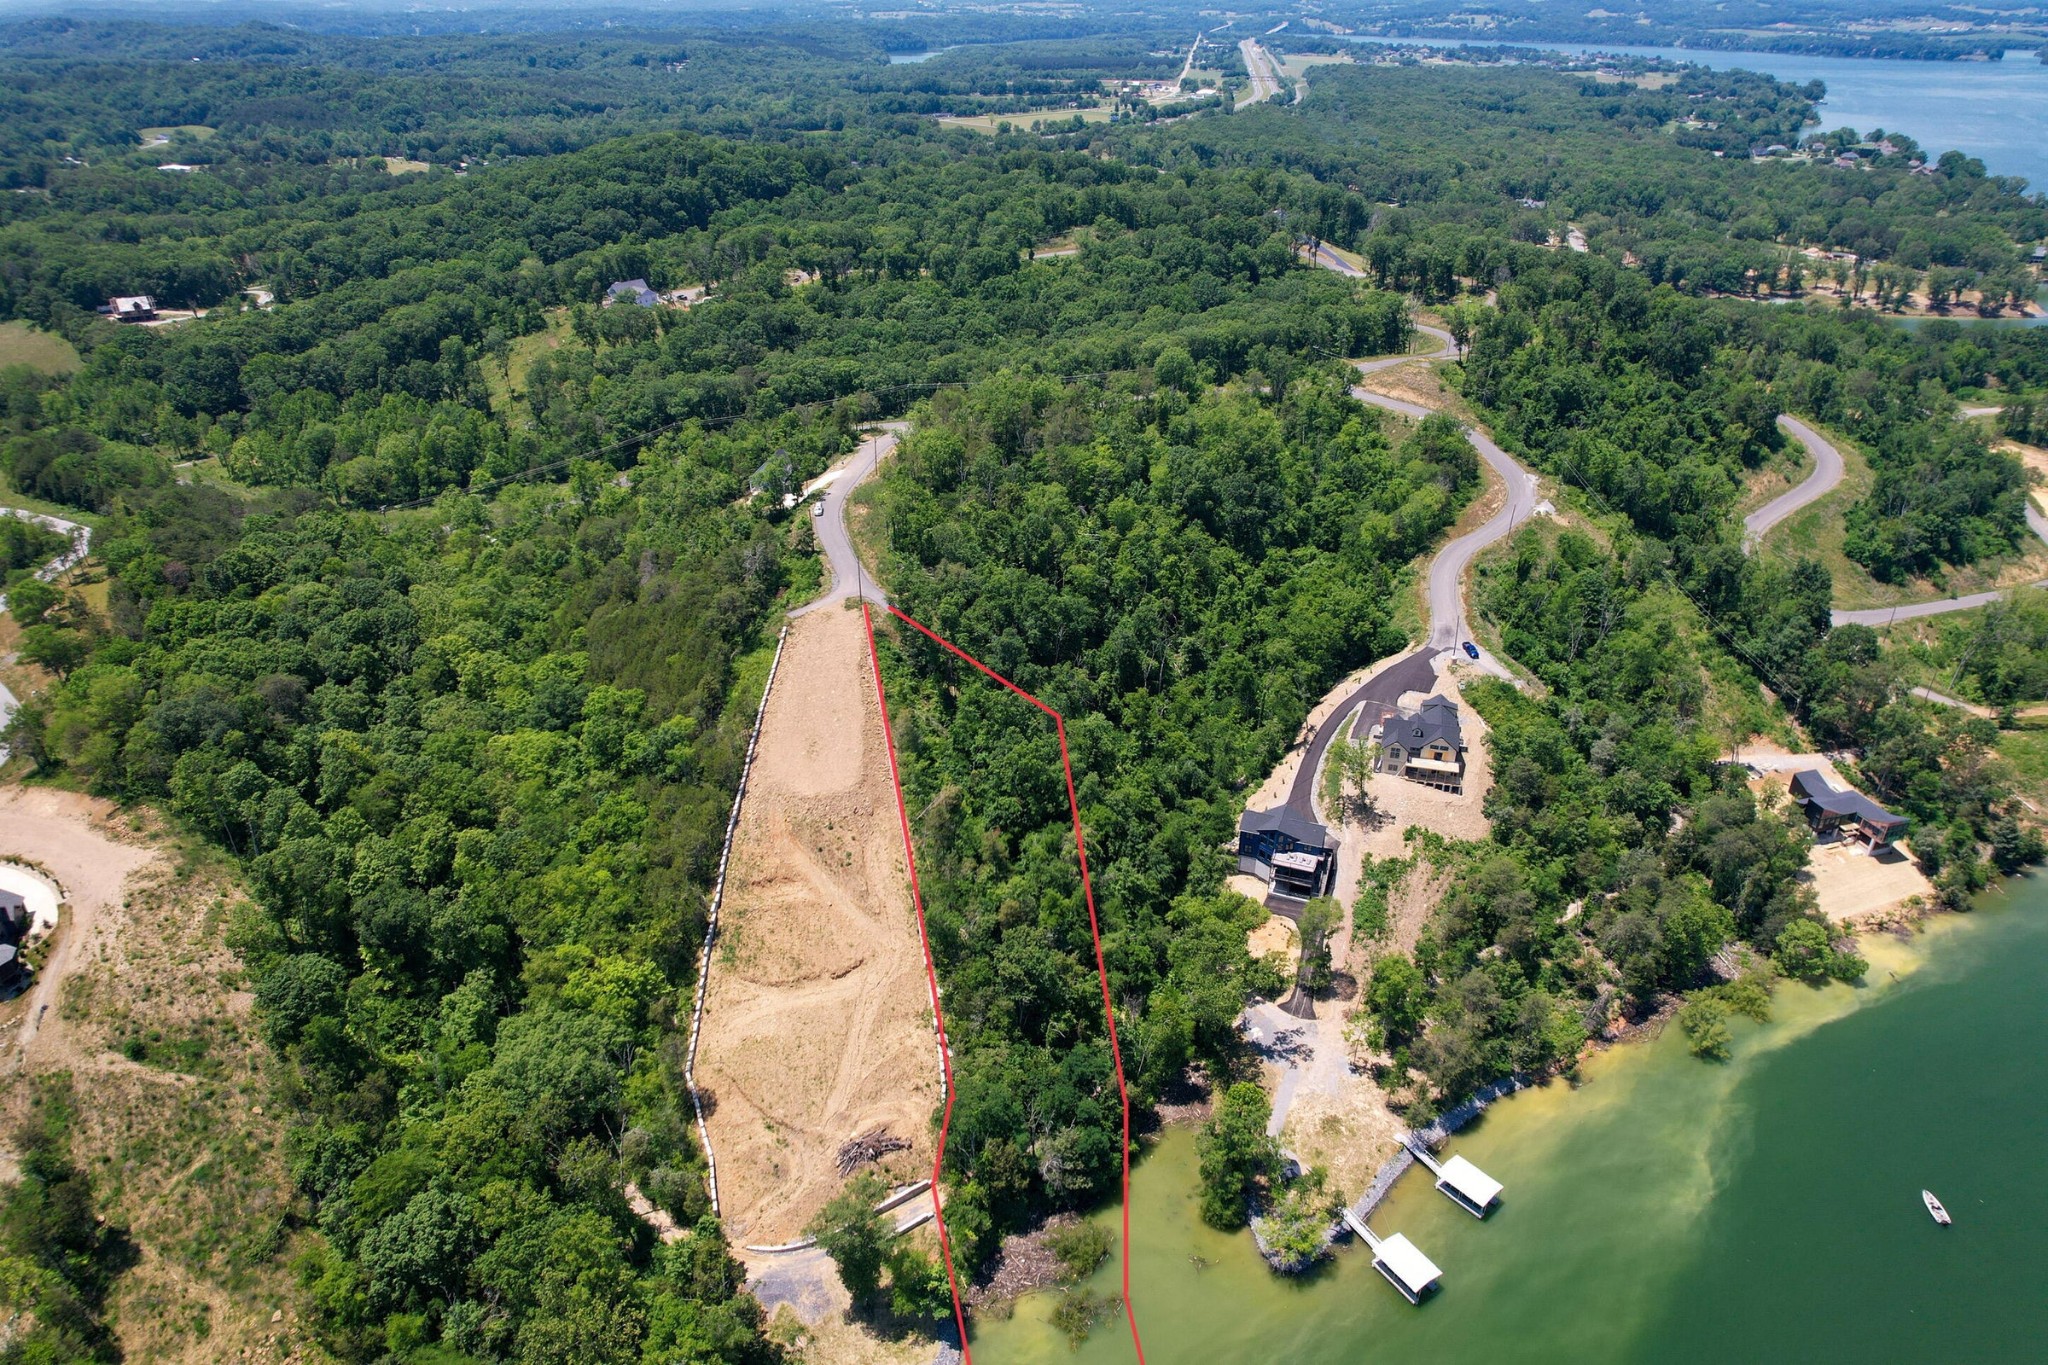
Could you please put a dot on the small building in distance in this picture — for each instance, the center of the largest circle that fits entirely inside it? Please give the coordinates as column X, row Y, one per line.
column 1288, row 851
column 1831, row 810
column 1426, row 745
column 631, row 291
column 132, row 308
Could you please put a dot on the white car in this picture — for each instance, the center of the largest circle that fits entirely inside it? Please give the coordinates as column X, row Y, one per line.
column 817, row 509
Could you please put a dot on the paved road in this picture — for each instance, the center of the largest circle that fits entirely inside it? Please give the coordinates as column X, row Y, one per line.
column 846, row 578
column 1265, row 84
column 1943, row 699
column 1447, row 625
column 1884, row 616
column 1828, row 470
column 1411, row 673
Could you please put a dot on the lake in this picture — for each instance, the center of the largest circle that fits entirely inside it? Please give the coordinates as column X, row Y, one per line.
column 1996, row 111
column 1763, row 1210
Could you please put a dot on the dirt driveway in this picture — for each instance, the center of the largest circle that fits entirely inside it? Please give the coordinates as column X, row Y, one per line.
column 67, row 837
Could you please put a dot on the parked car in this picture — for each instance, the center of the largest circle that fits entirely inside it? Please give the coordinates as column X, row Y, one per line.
column 1471, row 650
column 817, row 509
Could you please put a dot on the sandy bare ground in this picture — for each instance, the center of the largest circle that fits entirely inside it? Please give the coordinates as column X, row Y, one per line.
column 817, row 1020
column 1851, row 884
column 67, row 837
column 179, row 1144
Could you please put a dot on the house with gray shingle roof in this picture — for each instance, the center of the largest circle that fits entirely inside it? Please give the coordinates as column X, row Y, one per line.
column 1426, row 745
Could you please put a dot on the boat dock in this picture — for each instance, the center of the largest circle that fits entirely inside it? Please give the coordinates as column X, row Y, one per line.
column 1464, row 1184
column 1399, row 1260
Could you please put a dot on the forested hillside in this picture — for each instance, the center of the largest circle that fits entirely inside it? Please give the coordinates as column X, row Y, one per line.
column 1184, row 573
column 438, row 595
column 476, row 757
column 1429, row 164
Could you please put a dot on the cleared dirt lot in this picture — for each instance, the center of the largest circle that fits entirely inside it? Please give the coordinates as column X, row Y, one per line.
column 817, row 1019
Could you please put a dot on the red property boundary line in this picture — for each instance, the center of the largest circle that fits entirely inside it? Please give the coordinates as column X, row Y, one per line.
column 931, row 975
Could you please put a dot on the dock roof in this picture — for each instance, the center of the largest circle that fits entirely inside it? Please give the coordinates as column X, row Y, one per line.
column 1468, row 1180
column 1406, row 1263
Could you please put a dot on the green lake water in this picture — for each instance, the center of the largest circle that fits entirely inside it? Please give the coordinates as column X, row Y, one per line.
column 1668, row 1210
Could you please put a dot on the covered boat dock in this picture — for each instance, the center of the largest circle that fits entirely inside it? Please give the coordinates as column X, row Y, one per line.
column 1400, row 1260
column 1470, row 1188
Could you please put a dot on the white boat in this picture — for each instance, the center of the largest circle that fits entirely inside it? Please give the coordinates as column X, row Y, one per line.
column 1934, row 1208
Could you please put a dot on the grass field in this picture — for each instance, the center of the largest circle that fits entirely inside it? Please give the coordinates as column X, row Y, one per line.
column 988, row 123
column 506, row 383
column 45, row 352
column 1294, row 65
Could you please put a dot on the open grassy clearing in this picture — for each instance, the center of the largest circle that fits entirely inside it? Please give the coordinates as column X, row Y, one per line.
column 44, row 352
column 1817, row 532
column 157, row 136
column 1648, row 80
column 1027, row 121
column 2025, row 749
column 1297, row 64
column 505, row 380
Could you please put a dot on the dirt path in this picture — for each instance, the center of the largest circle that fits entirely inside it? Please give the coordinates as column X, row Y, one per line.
column 817, row 1019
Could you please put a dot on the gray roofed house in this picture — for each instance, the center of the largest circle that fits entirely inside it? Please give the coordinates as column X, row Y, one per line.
column 1426, row 745
column 631, row 291
column 1288, row 850
column 1830, row 808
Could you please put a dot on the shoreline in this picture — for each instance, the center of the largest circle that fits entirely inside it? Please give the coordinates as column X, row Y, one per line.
column 1901, row 945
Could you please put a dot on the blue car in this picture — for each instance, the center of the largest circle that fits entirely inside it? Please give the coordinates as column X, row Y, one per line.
column 1471, row 650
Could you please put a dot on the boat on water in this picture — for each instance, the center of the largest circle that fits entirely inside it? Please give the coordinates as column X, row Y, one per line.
column 1934, row 1208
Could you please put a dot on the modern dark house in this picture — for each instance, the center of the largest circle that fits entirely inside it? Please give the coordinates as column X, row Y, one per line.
column 14, row 918
column 13, row 971
column 1426, row 745
column 1831, row 810
column 631, row 291
column 1287, row 850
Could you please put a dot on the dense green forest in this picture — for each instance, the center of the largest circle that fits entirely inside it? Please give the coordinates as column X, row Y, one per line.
column 452, row 634
column 1661, row 404
column 1183, row 572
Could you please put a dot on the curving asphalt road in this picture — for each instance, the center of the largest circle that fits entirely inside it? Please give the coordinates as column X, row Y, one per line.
column 846, row 577
column 1908, row 611
column 1828, row 470
column 1447, row 625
